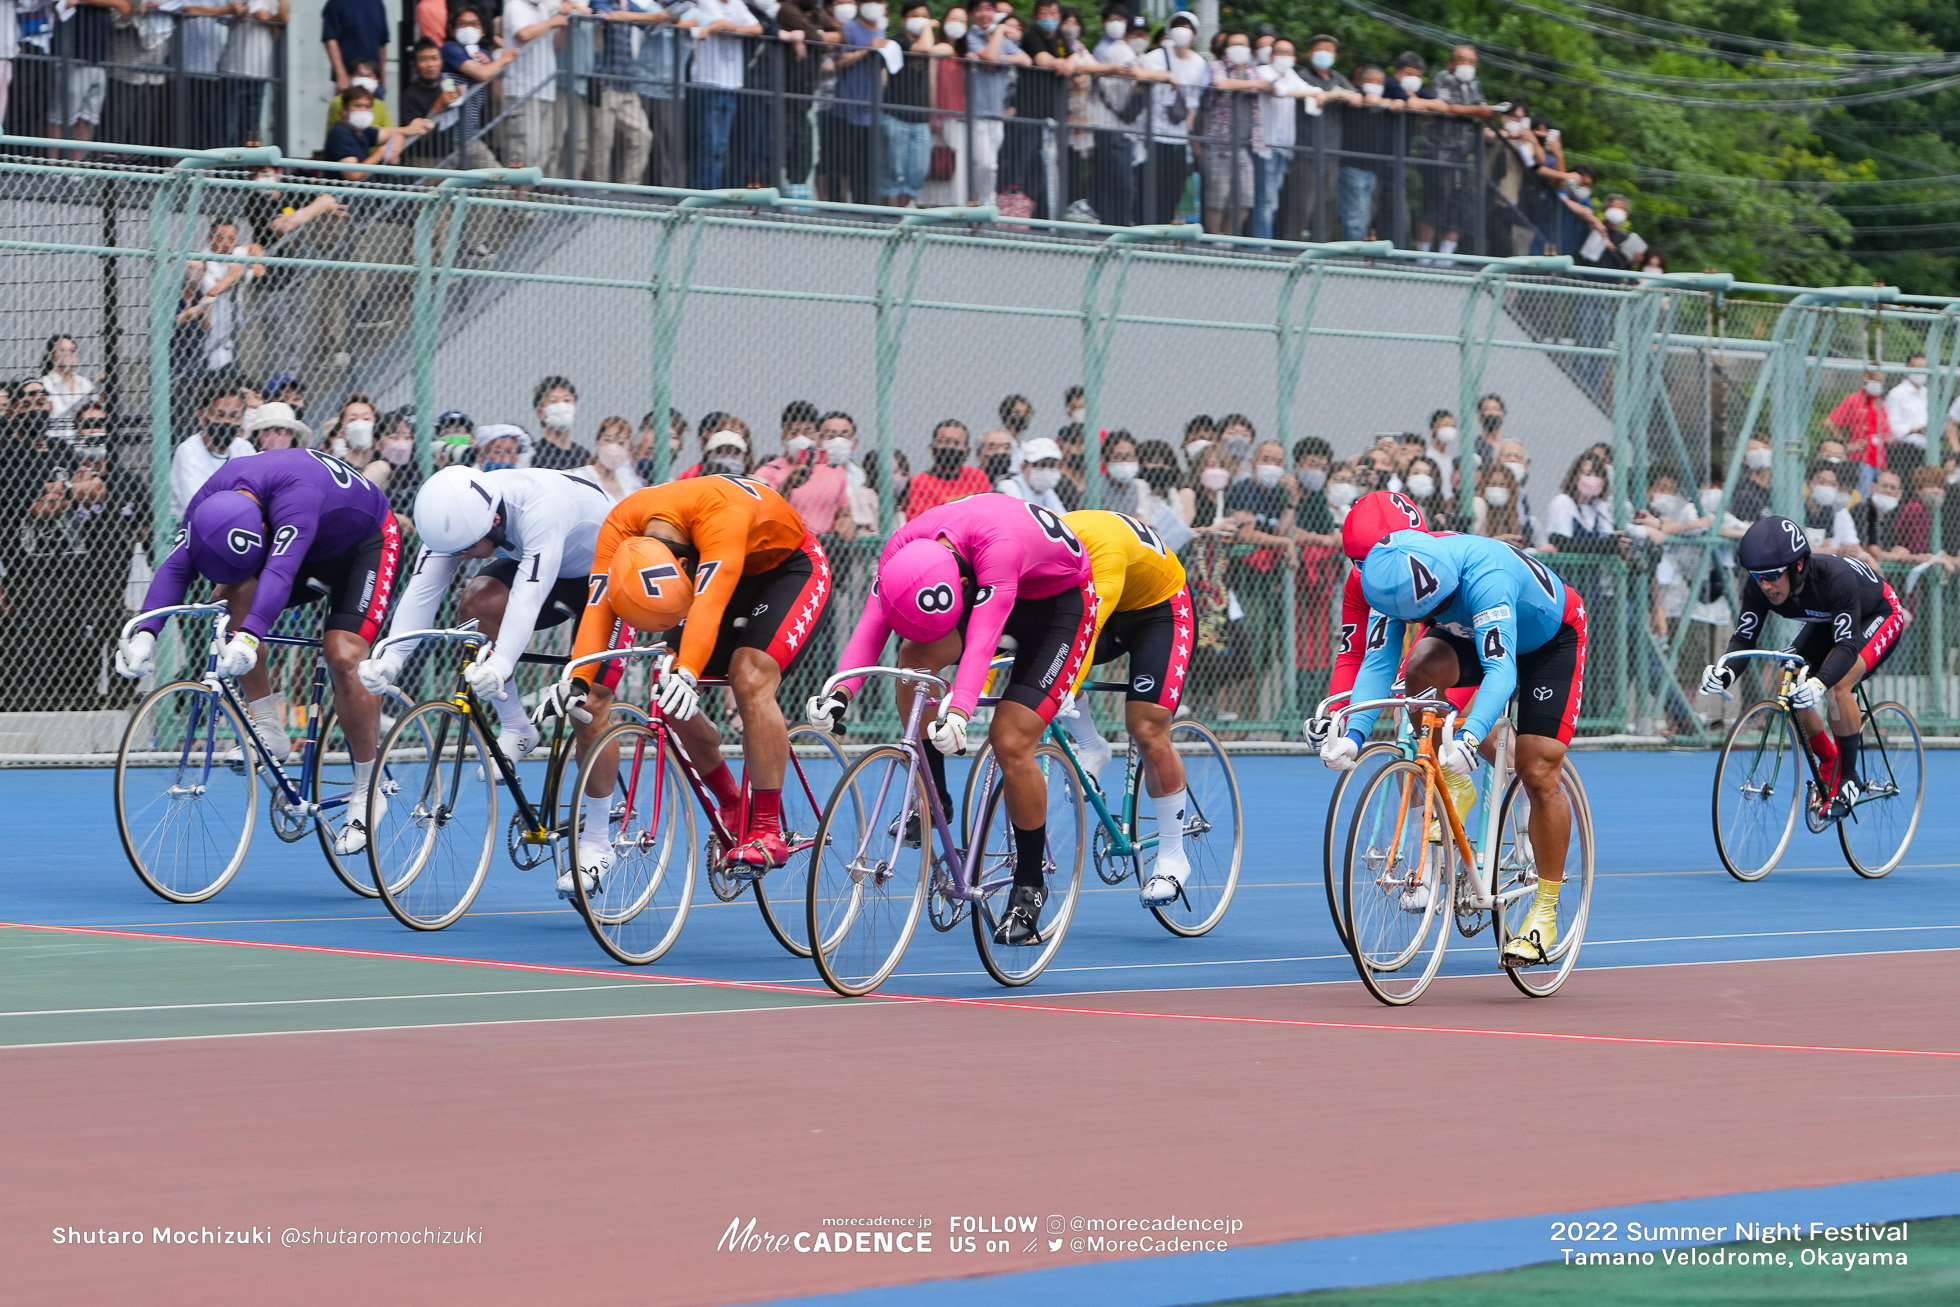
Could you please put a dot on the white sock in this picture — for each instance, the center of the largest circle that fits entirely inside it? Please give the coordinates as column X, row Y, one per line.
column 593, row 825
column 265, row 716
column 1082, row 729
column 1170, row 825
column 510, row 708
column 1423, row 246
column 1447, row 247
column 362, row 770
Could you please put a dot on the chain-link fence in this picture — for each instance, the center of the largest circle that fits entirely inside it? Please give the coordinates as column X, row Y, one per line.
column 154, row 298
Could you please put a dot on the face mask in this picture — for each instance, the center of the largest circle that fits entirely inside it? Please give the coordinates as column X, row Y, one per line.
column 1464, row 72
column 1934, row 498
column 954, row 30
column 1321, row 59
column 1238, row 54
column 838, row 450
column 1071, row 33
column 497, row 467
column 1885, row 503
column 360, row 120
column 612, row 456
column 398, row 452
column 1446, row 437
column 1372, row 90
column 1918, row 383
column 1515, row 126
column 796, row 445
column 1264, row 54
column 468, row 35
column 945, row 462
column 1759, row 459
column 873, row 14
column 1342, row 494
column 1711, row 499
column 1874, row 388
column 1283, row 63
column 1394, row 482
column 1421, row 486
column 1497, row 496
column 1238, row 446
column 1592, row 487
column 1123, row 473
column 1181, row 36
column 1665, row 505
column 1215, row 478
column 1267, row 474
column 559, row 416
column 1138, row 43
column 1160, row 478
column 1582, row 192
column 1953, row 477
column 1614, row 216
column 359, row 432
column 727, row 465
column 1313, row 478
column 1491, row 421
column 1824, row 496
column 916, row 26
column 996, row 466
column 844, row 13
column 365, row 83
column 1048, row 25
column 1518, row 472
column 1114, row 31
column 1195, row 448
column 1043, row 479
column 1411, row 85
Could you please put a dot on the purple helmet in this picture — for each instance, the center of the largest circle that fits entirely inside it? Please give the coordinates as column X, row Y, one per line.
column 226, row 537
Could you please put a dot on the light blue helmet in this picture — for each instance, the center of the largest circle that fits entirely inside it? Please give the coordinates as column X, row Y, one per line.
column 1408, row 576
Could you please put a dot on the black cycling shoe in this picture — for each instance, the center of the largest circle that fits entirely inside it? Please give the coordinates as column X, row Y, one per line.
column 1022, row 925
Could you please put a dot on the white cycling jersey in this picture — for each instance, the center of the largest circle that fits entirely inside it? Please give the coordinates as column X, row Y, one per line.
column 552, row 521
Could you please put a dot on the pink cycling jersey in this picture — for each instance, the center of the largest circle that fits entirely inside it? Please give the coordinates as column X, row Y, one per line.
column 1008, row 549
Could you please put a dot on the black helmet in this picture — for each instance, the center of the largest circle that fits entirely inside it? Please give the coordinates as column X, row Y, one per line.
column 1772, row 545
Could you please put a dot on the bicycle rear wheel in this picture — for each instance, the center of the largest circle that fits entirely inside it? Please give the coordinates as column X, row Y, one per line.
column 1758, row 786
column 185, row 818
column 642, row 900
column 1878, row 830
column 1397, row 888
column 331, row 776
column 1517, row 883
column 1340, row 811
column 429, row 851
column 1017, row 964
column 1214, row 832
column 867, row 890
column 816, row 765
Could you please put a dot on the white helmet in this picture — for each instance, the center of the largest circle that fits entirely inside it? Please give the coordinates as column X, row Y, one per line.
column 455, row 508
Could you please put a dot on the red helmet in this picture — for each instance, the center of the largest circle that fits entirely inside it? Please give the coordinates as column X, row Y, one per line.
column 1374, row 518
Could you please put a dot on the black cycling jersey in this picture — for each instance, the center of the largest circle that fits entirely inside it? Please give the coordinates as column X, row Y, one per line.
column 1842, row 593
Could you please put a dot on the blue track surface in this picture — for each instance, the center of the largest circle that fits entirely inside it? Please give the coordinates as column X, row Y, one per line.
column 1661, row 896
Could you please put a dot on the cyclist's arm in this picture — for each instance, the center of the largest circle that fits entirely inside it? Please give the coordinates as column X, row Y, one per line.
column 423, row 594
column 1749, row 623
column 987, row 619
column 169, row 586
column 1495, row 630
column 867, row 643
column 1354, row 635
column 537, row 573
column 291, row 539
column 1847, row 622
column 724, row 544
column 1377, row 675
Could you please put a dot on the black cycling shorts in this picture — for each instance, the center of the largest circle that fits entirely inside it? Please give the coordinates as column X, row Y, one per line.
column 360, row 584
column 565, row 602
column 1159, row 640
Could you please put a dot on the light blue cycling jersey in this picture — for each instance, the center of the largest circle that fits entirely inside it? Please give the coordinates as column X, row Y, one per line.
column 1505, row 601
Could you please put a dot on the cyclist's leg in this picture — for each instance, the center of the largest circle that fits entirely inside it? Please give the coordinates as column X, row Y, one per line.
column 1881, row 637
column 601, row 770
column 933, row 656
column 1110, row 641
column 1551, row 685
column 483, row 602
column 358, row 598
column 261, row 703
column 1159, row 641
column 1447, row 662
column 1813, row 645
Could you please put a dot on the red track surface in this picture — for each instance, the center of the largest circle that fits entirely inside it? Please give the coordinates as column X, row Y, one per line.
column 604, row 1159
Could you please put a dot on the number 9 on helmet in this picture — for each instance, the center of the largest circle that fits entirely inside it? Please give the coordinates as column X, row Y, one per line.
column 922, row 591
column 1408, row 576
column 647, row 587
column 1374, row 518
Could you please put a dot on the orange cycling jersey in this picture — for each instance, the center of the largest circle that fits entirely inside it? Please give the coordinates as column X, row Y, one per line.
column 740, row 528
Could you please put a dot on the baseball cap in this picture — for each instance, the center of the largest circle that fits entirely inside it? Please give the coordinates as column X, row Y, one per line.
column 1033, row 451
column 724, row 439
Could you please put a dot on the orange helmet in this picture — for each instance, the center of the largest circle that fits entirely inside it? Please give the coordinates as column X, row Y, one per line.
column 646, row 585
column 1375, row 517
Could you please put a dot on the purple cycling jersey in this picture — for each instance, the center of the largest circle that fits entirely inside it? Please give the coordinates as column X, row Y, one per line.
column 316, row 508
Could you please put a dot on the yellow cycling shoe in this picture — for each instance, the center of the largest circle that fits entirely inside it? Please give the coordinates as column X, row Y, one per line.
column 1463, row 797
column 1531, row 943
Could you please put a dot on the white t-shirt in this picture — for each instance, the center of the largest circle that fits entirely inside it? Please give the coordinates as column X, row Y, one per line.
column 250, row 45
column 1109, row 94
column 1189, row 76
column 1280, row 116
column 552, row 521
column 718, row 59
column 536, row 65
column 192, row 465
column 65, row 396
column 1568, row 517
column 1905, row 411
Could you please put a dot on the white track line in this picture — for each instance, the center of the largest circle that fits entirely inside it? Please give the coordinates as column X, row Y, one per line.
column 354, row 998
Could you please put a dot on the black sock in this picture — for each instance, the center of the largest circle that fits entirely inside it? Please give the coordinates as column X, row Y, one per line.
column 936, row 764
column 1847, row 758
column 1030, row 851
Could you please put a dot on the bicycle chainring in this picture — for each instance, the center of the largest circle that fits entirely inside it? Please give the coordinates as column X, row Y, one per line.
column 524, row 855
column 726, row 885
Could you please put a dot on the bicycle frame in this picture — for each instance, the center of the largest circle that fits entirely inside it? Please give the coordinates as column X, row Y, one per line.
column 1791, row 668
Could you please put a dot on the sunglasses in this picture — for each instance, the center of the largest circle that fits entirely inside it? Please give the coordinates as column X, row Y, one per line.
column 1770, row 576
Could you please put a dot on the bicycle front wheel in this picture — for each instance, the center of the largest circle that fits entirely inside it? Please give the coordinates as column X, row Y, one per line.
column 867, row 890
column 1517, row 882
column 816, row 765
column 993, row 863
column 430, row 847
column 184, row 815
column 1397, row 887
column 1891, row 782
column 1758, row 786
column 330, row 783
column 641, row 902
column 1214, row 832
column 1340, row 811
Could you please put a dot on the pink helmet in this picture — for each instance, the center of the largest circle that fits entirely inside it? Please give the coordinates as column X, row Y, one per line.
column 921, row 590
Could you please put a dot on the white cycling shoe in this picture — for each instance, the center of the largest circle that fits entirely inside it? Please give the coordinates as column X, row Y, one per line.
column 277, row 747
column 516, row 742
column 594, row 861
column 1095, row 759
column 353, row 835
column 1166, row 881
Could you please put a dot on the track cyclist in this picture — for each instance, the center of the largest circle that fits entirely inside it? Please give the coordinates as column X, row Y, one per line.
column 952, row 582
column 260, row 529
column 723, row 568
column 1499, row 620
column 1851, row 620
column 1143, row 609
column 1374, row 516
column 538, row 528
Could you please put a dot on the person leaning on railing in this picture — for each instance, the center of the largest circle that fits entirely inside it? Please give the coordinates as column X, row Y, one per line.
column 249, row 64
column 624, row 27
column 432, row 94
column 358, row 140
column 535, row 130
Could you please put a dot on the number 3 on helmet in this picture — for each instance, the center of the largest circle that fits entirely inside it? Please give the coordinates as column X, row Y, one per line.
column 1374, row 518
column 921, row 590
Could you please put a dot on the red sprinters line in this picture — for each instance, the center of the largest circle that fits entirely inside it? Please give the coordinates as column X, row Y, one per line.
column 994, row 1003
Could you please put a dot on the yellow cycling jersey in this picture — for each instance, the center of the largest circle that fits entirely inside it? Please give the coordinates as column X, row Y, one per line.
column 1132, row 567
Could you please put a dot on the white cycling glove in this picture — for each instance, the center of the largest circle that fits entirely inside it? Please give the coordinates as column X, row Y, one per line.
column 826, row 712
column 1459, row 754
column 948, row 734
column 378, row 674
column 136, row 656
column 564, row 698
column 678, row 697
column 1808, row 694
column 1716, row 679
column 483, row 677
column 1340, row 754
column 1316, row 730
column 239, row 655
